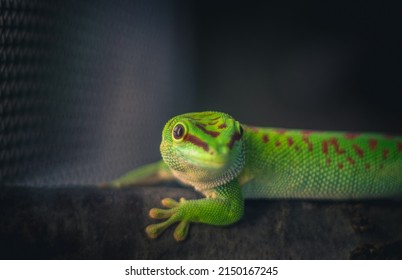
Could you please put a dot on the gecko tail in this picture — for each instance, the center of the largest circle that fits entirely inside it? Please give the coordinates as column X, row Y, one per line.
column 146, row 175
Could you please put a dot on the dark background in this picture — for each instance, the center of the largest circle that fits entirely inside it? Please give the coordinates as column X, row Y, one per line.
column 86, row 87
column 318, row 65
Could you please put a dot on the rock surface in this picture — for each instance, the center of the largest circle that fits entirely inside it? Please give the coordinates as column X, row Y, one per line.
column 94, row 223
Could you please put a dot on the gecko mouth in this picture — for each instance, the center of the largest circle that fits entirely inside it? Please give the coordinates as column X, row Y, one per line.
column 207, row 163
column 207, row 178
column 193, row 159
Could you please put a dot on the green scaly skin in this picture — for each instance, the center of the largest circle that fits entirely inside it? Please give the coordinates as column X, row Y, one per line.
column 229, row 162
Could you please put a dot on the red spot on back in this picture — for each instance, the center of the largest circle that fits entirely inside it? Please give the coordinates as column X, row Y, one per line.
column 351, row 135
column 222, row 126
column 351, row 160
column 373, row 144
column 399, row 147
column 359, row 151
column 385, row 154
column 325, row 147
column 334, row 142
column 328, row 161
column 265, row 138
column 235, row 137
column 277, row 143
column 212, row 133
column 196, row 141
column 280, row 131
column 340, row 165
column 290, row 141
column 306, row 140
column 306, row 132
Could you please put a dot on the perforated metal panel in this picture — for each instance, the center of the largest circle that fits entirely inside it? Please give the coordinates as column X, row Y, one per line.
column 86, row 86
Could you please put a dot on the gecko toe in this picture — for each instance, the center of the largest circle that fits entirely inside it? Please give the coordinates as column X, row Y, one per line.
column 154, row 230
column 169, row 203
column 181, row 231
column 157, row 213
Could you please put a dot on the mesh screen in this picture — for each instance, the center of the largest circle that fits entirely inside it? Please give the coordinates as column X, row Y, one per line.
column 86, row 86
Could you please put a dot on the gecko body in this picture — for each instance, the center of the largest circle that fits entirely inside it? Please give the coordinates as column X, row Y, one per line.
column 228, row 162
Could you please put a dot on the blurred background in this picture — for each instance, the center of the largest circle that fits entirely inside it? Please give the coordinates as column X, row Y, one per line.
column 86, row 86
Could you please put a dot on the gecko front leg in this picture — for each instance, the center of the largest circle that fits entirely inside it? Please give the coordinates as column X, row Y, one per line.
column 223, row 205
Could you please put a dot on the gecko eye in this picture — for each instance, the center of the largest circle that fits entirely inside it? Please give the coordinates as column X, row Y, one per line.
column 178, row 131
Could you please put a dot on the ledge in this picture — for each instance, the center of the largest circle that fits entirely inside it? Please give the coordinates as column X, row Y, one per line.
column 92, row 223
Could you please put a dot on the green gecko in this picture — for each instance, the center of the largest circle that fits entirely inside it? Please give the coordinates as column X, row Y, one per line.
column 228, row 162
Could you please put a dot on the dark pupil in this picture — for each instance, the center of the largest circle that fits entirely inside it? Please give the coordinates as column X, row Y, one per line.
column 178, row 131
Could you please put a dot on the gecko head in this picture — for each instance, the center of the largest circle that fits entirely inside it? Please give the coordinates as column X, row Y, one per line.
column 203, row 149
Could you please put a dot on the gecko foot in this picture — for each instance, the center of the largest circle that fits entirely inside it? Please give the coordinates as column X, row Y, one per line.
column 173, row 215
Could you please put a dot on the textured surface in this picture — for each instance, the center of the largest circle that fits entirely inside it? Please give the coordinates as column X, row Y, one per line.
column 90, row 223
column 322, row 164
column 80, row 79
